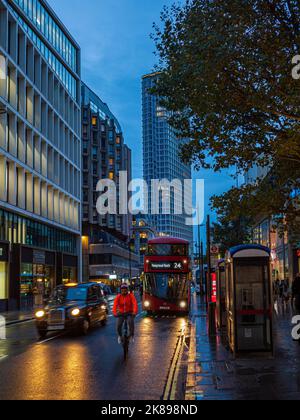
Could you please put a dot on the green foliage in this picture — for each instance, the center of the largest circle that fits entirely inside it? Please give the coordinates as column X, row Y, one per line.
column 226, row 78
column 231, row 233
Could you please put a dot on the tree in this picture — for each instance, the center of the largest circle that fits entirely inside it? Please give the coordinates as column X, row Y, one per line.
column 231, row 233
column 226, row 78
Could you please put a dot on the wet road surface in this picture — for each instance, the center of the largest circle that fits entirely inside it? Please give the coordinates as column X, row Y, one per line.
column 91, row 367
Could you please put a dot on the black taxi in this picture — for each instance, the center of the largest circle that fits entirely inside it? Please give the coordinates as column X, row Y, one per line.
column 72, row 308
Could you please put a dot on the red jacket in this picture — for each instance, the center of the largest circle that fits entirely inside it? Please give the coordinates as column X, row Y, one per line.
column 125, row 305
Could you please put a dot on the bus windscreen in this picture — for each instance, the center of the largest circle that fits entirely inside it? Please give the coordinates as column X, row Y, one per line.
column 169, row 286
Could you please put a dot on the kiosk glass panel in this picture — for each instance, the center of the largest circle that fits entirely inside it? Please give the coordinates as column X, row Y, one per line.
column 252, row 306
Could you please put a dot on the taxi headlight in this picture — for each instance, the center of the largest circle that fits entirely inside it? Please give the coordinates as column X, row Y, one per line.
column 75, row 312
column 183, row 305
column 40, row 314
column 103, row 307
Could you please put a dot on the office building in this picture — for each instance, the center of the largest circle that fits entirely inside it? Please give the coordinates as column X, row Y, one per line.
column 106, row 252
column 285, row 248
column 40, row 154
column 142, row 232
column 161, row 161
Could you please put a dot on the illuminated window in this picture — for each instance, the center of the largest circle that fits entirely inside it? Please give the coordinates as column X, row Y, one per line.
column 144, row 235
column 3, row 281
column 142, row 223
column 118, row 140
column 111, row 161
column 94, row 121
column 111, row 175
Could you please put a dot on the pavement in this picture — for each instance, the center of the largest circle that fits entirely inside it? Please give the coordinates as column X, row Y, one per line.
column 213, row 373
column 15, row 317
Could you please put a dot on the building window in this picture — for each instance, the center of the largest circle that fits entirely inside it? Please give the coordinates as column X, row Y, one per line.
column 3, row 281
column 94, row 121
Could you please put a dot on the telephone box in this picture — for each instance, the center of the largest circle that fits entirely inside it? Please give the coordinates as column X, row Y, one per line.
column 221, row 295
column 249, row 299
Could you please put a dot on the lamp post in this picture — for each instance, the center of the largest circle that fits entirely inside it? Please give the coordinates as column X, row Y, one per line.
column 200, row 256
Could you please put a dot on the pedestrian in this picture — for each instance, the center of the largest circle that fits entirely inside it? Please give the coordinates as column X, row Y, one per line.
column 141, row 290
column 280, row 291
column 286, row 291
column 276, row 289
column 296, row 292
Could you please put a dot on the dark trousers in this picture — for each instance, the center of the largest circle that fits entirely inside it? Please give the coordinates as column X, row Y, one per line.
column 120, row 323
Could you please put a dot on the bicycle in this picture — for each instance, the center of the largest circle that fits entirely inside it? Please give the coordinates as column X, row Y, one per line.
column 125, row 336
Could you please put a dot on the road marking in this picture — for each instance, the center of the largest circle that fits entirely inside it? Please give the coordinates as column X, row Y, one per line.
column 3, row 357
column 13, row 324
column 171, row 386
column 50, row 339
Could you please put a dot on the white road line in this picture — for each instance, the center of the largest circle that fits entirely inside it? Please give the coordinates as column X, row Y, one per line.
column 49, row 339
column 19, row 323
column 3, row 357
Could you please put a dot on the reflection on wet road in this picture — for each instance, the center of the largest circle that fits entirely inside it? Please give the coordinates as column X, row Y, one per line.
column 91, row 367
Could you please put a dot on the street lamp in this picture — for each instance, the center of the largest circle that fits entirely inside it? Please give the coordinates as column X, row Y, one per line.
column 200, row 256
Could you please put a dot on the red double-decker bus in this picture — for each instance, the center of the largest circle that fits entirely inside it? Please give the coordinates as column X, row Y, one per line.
column 167, row 276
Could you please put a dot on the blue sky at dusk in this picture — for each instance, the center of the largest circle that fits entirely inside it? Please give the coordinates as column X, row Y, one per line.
column 114, row 36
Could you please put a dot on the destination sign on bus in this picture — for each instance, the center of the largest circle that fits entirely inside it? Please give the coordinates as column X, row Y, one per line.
column 165, row 265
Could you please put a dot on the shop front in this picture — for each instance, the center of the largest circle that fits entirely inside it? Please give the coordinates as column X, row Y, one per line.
column 67, row 269
column 4, row 267
column 32, row 276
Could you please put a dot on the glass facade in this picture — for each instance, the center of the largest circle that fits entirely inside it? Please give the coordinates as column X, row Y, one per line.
column 3, row 280
column 265, row 235
column 42, row 20
column 161, row 161
column 36, row 284
column 60, row 70
column 47, row 26
column 20, row 230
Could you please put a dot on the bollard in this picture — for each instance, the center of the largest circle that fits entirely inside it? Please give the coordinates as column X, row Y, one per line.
column 2, row 328
column 212, row 319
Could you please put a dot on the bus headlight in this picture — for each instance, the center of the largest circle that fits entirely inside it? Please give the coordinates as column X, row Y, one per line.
column 40, row 314
column 183, row 305
column 75, row 312
column 147, row 304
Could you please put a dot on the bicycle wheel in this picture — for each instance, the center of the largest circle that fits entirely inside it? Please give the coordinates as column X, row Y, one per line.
column 125, row 347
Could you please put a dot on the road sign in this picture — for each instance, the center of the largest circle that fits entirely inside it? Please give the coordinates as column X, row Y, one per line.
column 214, row 249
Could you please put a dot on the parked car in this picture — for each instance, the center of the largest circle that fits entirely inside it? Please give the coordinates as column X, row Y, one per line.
column 106, row 289
column 73, row 308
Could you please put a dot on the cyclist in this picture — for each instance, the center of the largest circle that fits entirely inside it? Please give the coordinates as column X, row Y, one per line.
column 125, row 306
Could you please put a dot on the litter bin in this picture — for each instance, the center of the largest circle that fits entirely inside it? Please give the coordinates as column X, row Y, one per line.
column 249, row 299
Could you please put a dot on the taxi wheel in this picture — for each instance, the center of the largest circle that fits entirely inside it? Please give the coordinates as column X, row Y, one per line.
column 42, row 334
column 85, row 327
column 103, row 322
